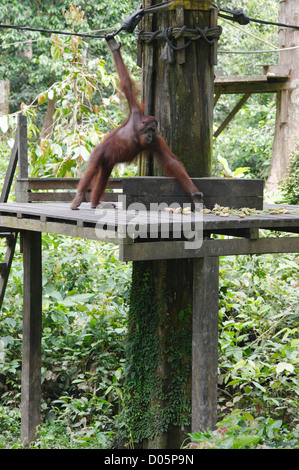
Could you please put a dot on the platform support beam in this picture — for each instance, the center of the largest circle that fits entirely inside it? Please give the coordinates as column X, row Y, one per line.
column 32, row 328
column 204, row 343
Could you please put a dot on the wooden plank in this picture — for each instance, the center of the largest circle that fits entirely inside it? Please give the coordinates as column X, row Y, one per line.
column 62, row 183
column 236, row 202
column 47, row 183
column 204, row 343
column 25, row 186
column 229, row 247
column 57, row 196
column 253, row 79
column 153, row 190
column 32, row 329
column 145, row 185
column 65, row 197
column 42, row 216
column 232, row 192
column 251, row 84
column 95, row 232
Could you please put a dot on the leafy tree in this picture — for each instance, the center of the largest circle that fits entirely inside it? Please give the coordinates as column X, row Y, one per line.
column 78, row 100
column 25, row 55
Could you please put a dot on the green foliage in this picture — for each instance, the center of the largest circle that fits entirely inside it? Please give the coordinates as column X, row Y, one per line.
column 84, row 330
column 258, row 355
column 259, row 321
column 86, row 104
column 227, row 172
column 243, row 431
column 251, row 37
column 90, row 365
column 32, row 73
column 247, row 142
column 80, row 118
column 289, row 185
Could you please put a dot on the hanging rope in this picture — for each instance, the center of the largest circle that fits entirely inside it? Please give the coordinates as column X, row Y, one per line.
column 52, row 31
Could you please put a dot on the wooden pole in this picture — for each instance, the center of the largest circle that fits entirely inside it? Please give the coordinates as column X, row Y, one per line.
column 287, row 115
column 22, row 146
column 32, row 327
column 18, row 154
column 180, row 94
column 205, row 343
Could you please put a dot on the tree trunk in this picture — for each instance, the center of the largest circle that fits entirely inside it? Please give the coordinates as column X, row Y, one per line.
column 4, row 96
column 180, row 95
column 287, row 117
column 48, row 124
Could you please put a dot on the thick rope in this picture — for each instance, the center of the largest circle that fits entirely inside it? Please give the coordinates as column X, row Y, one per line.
column 209, row 35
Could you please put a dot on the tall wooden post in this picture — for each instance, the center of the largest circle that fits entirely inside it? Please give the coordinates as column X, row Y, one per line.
column 180, row 94
column 22, row 140
column 205, row 343
column 32, row 327
column 178, row 90
column 287, row 116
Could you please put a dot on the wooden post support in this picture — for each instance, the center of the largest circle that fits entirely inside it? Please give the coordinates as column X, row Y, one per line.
column 19, row 152
column 32, row 326
column 204, row 343
column 178, row 90
column 287, row 117
column 22, row 146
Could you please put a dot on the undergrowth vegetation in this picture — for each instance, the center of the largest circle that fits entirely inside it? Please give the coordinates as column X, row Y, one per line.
column 86, row 294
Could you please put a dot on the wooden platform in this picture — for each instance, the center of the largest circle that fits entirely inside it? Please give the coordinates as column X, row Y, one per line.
column 141, row 234
column 268, row 83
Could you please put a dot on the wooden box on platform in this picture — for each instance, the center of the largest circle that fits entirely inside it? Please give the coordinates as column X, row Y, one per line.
column 231, row 192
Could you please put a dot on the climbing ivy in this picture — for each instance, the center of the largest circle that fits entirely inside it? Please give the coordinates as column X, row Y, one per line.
column 158, row 362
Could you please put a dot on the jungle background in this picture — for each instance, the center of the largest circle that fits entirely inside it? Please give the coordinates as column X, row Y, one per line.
column 67, row 87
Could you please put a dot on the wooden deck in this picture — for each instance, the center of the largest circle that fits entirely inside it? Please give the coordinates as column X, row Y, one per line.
column 144, row 235
column 158, row 234
column 268, row 83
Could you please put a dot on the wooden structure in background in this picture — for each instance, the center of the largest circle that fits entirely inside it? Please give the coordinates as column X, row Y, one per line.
column 276, row 79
